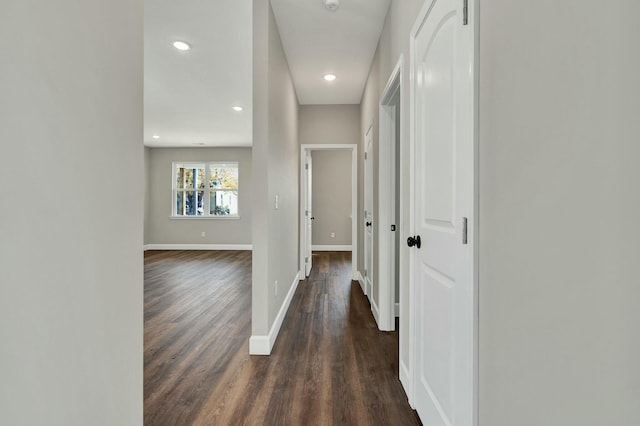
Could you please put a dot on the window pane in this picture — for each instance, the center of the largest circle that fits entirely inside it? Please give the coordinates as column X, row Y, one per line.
column 180, row 207
column 223, row 176
column 190, row 176
column 200, row 203
column 189, row 203
column 201, row 179
column 223, row 203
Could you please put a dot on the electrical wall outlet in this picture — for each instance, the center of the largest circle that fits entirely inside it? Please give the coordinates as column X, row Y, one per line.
column 204, row 234
column 333, row 235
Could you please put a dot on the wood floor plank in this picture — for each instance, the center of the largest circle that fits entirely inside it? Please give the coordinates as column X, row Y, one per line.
column 329, row 366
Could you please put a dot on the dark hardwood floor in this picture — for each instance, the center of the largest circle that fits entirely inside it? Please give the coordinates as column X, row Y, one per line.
column 329, row 366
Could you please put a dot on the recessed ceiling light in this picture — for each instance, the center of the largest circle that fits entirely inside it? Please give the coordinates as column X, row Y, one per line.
column 331, row 5
column 181, row 45
column 237, row 108
column 156, row 137
column 330, row 77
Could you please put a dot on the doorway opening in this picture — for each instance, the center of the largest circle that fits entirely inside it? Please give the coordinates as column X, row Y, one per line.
column 307, row 217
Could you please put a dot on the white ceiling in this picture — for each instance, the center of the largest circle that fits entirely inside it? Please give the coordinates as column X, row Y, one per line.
column 318, row 41
column 188, row 96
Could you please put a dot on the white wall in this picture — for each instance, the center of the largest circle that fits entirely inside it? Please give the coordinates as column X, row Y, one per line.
column 72, row 215
column 275, row 144
column 164, row 230
column 331, row 198
column 329, row 124
column 559, row 209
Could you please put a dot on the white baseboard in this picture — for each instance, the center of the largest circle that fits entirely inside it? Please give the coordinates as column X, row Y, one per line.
column 331, row 248
column 262, row 345
column 375, row 311
column 406, row 383
column 397, row 310
column 198, row 247
column 361, row 282
column 259, row 345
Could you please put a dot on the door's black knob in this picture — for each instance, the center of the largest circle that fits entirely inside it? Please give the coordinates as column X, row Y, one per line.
column 368, row 223
column 414, row 241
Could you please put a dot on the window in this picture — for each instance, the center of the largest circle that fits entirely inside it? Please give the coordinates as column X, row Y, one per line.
column 205, row 189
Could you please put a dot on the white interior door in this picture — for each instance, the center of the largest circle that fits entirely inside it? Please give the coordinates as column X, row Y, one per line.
column 368, row 215
column 443, row 374
column 308, row 259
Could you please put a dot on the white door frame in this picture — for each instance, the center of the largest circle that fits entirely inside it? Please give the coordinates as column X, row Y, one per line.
column 307, row 148
column 368, row 237
column 308, row 210
column 473, row 228
column 389, row 103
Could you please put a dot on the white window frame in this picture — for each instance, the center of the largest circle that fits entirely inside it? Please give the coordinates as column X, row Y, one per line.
column 208, row 165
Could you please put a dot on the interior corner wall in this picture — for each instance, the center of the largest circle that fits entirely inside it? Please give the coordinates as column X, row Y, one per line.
column 162, row 229
column 71, row 224
column 275, row 144
column 559, row 209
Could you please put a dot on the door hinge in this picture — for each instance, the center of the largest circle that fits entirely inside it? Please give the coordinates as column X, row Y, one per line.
column 306, row 166
column 393, row 227
column 365, row 273
column 465, row 12
column 464, row 230
column 365, row 155
column 306, row 260
column 306, row 212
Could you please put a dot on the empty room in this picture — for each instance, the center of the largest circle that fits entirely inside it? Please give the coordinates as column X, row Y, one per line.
column 320, row 212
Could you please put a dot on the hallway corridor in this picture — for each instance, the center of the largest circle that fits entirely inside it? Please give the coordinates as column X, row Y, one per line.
column 330, row 364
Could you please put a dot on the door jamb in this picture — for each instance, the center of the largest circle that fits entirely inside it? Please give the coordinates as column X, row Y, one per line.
column 304, row 148
column 389, row 102
column 366, row 280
